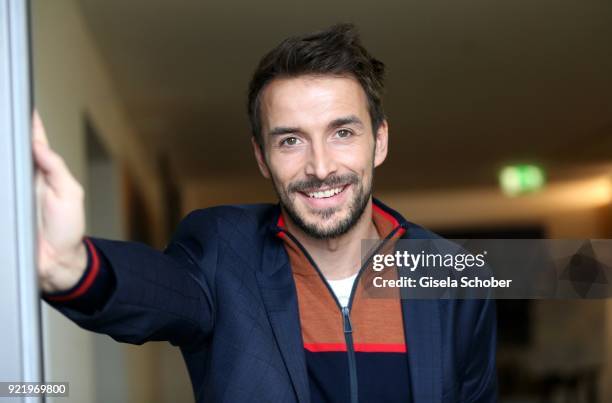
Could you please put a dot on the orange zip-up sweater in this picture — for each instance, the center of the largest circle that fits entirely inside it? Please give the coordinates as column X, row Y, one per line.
column 357, row 353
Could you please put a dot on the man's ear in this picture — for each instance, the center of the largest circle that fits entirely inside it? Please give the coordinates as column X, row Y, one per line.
column 259, row 156
column 382, row 142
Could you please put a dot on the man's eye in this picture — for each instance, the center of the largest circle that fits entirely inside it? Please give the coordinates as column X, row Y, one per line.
column 290, row 141
column 343, row 133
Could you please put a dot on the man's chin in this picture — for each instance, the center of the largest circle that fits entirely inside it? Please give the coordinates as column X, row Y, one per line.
column 323, row 217
column 327, row 221
column 323, row 227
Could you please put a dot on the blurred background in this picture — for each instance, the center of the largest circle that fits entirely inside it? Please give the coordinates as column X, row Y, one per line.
column 146, row 102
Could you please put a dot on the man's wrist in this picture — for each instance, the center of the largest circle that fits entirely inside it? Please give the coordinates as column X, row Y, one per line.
column 68, row 268
column 93, row 290
column 77, row 261
column 79, row 270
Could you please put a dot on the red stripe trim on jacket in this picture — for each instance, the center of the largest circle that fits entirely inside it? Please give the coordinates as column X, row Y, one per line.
column 92, row 273
column 359, row 347
column 386, row 215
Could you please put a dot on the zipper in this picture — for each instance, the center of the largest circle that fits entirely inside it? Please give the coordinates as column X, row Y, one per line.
column 350, row 349
column 346, row 310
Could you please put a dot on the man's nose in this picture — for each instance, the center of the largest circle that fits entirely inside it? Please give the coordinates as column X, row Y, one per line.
column 321, row 162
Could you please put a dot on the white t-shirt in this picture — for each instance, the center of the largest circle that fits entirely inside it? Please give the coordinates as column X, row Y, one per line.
column 342, row 288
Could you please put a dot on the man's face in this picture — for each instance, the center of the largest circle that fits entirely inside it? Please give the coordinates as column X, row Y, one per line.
column 319, row 150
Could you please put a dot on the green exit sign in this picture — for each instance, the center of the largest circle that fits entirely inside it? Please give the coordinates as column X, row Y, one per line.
column 519, row 179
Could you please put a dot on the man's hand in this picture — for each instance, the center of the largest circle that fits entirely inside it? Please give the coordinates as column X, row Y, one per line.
column 62, row 258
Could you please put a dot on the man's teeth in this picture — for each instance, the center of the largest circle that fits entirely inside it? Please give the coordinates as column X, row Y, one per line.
column 325, row 193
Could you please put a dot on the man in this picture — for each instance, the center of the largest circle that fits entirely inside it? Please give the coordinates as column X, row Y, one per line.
column 265, row 301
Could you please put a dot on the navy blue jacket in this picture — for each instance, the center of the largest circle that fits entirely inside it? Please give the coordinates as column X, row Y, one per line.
column 223, row 292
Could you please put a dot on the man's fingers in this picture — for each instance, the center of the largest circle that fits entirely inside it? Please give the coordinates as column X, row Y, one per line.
column 38, row 129
column 53, row 168
column 42, row 156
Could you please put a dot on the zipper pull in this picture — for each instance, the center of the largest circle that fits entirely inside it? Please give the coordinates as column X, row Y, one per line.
column 348, row 328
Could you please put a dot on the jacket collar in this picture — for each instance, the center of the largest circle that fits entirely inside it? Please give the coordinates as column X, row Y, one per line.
column 277, row 224
column 279, row 296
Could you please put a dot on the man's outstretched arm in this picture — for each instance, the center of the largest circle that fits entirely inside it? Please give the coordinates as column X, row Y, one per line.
column 127, row 290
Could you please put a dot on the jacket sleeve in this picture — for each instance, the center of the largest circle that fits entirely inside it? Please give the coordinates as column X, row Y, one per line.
column 480, row 374
column 135, row 293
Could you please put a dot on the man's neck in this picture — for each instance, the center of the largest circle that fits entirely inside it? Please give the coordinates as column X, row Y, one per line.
column 339, row 257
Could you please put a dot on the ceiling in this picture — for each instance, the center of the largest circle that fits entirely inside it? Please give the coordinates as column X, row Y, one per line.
column 471, row 85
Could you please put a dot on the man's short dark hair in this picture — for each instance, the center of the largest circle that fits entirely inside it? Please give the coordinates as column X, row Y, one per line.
column 335, row 51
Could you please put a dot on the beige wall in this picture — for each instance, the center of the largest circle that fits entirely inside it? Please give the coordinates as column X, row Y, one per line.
column 70, row 80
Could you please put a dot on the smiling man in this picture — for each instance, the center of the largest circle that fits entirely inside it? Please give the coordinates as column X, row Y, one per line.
column 265, row 301
column 320, row 151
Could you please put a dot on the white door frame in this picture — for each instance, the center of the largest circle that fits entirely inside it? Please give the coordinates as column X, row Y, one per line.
column 20, row 337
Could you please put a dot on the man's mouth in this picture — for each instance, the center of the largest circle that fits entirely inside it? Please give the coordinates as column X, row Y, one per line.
column 330, row 197
column 325, row 193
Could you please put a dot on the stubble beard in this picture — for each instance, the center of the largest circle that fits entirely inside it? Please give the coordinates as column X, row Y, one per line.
column 356, row 208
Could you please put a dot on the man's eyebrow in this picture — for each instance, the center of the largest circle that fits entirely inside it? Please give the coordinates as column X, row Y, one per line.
column 277, row 131
column 345, row 120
